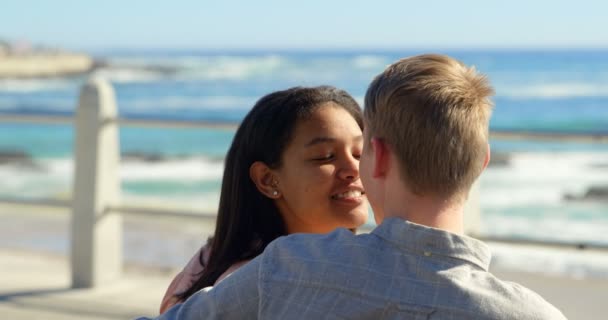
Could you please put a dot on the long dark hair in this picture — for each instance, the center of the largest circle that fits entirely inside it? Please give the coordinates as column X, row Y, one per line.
column 247, row 220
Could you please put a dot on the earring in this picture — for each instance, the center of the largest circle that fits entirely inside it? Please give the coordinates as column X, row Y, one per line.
column 275, row 193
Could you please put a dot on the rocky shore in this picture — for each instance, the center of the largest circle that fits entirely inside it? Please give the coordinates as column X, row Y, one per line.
column 37, row 65
column 21, row 59
column 593, row 193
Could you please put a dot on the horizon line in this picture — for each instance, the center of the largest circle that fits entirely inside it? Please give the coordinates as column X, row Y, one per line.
column 341, row 49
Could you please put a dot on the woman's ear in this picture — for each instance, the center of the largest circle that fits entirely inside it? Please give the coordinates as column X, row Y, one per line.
column 264, row 180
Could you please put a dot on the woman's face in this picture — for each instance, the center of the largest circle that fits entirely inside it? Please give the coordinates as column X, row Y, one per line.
column 318, row 181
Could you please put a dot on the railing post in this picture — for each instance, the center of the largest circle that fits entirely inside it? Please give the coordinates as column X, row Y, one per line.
column 96, row 253
column 472, row 212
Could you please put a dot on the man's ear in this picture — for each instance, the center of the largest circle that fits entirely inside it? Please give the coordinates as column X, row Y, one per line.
column 264, row 180
column 381, row 157
column 487, row 159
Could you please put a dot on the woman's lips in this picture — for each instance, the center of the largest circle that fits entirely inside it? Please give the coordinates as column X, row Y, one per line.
column 351, row 196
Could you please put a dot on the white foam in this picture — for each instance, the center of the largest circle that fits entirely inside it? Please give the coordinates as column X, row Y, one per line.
column 536, row 259
column 236, row 68
column 53, row 177
column 126, row 75
column 191, row 169
column 555, row 90
column 554, row 226
column 191, row 67
column 370, row 62
column 541, row 178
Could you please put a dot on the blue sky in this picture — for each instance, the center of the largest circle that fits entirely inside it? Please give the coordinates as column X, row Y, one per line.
column 310, row 24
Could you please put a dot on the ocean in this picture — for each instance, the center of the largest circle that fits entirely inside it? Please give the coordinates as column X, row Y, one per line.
column 531, row 193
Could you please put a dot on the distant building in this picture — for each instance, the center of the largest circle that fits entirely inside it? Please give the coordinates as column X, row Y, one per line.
column 20, row 47
column 5, row 48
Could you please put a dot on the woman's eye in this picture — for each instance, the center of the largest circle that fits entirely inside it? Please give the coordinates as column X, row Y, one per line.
column 325, row 157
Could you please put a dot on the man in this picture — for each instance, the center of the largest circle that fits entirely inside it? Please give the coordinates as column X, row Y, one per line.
column 425, row 143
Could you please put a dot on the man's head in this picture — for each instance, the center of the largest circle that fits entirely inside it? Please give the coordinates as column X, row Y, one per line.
column 431, row 112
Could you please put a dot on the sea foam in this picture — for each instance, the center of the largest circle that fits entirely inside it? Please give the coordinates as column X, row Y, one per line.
column 555, row 90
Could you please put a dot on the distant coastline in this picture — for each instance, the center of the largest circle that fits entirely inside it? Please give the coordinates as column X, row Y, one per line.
column 21, row 60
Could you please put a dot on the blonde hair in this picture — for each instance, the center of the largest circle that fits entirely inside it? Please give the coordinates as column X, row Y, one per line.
column 433, row 112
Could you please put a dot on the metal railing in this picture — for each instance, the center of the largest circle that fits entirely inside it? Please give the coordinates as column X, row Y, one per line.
column 96, row 211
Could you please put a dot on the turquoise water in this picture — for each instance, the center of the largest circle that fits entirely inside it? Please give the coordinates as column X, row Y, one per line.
column 57, row 141
column 560, row 91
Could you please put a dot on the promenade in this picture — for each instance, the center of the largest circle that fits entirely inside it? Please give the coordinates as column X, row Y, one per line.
column 35, row 280
column 35, row 277
column 37, row 286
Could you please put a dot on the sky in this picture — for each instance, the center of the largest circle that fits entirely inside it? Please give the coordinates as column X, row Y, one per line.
column 310, row 24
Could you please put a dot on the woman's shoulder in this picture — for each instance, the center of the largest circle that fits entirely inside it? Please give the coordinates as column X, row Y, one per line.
column 184, row 280
column 191, row 272
column 194, row 266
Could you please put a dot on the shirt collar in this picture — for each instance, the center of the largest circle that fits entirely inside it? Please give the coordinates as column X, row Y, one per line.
column 430, row 241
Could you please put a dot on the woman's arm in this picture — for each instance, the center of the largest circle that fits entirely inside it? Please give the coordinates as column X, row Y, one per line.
column 185, row 278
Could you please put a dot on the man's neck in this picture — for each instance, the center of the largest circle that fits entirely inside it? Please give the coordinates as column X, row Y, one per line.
column 431, row 211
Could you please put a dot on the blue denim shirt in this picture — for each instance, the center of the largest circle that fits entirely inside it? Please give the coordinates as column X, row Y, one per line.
column 400, row 270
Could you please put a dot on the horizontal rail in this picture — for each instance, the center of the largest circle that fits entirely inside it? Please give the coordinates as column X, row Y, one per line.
column 185, row 213
column 45, row 202
column 43, row 119
column 545, row 243
column 124, row 209
column 153, row 123
column 168, row 212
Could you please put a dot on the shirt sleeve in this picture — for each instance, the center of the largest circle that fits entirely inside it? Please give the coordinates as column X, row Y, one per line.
column 236, row 297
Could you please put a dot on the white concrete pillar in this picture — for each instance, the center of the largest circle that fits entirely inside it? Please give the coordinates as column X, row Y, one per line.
column 472, row 212
column 96, row 254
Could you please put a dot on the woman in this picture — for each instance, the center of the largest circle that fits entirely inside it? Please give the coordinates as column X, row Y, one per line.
column 293, row 166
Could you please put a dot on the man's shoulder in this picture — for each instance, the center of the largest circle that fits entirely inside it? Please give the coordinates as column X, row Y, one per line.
column 536, row 304
column 316, row 251
column 315, row 244
column 523, row 301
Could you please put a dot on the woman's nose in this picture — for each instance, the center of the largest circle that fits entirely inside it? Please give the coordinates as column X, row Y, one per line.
column 349, row 168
